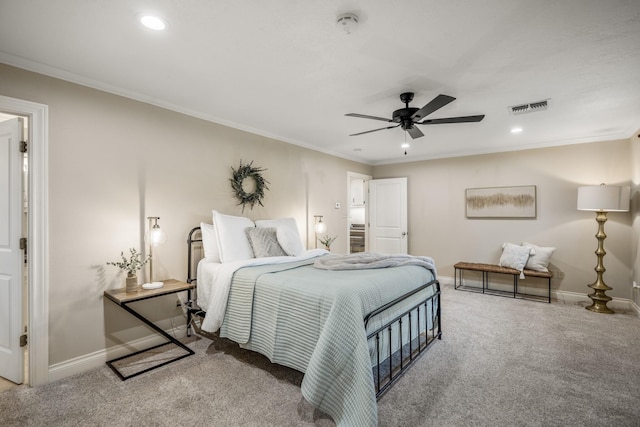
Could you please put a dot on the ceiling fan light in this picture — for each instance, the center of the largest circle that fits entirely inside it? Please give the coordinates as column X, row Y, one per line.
column 408, row 117
column 405, row 145
column 516, row 129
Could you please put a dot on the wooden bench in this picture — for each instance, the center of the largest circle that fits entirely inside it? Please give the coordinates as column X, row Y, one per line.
column 492, row 268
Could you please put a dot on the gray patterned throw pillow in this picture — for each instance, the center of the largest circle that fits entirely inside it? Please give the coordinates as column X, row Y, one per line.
column 264, row 242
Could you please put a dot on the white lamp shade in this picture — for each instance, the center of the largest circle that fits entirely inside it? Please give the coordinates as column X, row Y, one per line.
column 321, row 227
column 155, row 236
column 604, row 198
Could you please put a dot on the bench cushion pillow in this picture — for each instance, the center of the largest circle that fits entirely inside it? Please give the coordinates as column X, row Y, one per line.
column 515, row 256
column 539, row 261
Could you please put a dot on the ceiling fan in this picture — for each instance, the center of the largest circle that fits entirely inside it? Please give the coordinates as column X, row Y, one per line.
column 408, row 117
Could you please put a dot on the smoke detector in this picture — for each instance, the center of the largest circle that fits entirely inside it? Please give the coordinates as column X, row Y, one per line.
column 347, row 22
column 532, row 107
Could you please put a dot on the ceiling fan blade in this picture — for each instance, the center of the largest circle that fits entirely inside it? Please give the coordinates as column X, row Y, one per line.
column 374, row 130
column 464, row 119
column 415, row 132
column 436, row 103
column 364, row 116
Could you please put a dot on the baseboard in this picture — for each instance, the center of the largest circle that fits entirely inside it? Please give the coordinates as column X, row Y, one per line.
column 445, row 280
column 616, row 304
column 636, row 308
column 565, row 297
column 98, row 358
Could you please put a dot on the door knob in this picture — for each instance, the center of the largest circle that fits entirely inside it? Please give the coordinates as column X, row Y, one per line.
column 404, row 233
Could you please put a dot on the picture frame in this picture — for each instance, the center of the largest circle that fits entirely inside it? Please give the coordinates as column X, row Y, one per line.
column 501, row 202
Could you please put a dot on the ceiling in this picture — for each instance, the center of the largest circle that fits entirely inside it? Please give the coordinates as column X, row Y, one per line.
column 284, row 69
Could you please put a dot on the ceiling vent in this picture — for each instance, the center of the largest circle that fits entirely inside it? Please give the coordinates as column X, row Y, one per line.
column 529, row 108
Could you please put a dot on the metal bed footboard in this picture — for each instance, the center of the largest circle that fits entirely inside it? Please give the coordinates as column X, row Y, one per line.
column 392, row 365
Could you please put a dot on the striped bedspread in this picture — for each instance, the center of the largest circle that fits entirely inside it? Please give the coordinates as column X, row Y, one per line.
column 312, row 320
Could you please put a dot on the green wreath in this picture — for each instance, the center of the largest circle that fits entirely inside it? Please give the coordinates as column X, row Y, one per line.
column 239, row 175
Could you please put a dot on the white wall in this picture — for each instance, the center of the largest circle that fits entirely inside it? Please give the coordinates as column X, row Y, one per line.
column 438, row 226
column 113, row 162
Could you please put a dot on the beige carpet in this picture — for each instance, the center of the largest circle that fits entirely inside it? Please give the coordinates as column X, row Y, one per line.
column 501, row 362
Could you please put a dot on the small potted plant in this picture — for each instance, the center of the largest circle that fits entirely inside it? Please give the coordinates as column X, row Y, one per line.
column 327, row 241
column 131, row 265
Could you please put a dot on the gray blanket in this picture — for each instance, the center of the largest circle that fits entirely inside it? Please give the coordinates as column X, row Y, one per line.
column 368, row 260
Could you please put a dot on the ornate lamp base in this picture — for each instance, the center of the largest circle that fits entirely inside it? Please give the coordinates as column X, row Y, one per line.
column 599, row 298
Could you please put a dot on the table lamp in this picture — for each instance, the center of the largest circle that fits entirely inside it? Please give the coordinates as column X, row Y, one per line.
column 153, row 237
column 320, row 227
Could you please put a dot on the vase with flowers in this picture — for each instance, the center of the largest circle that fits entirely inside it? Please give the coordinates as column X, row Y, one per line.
column 131, row 266
column 327, row 241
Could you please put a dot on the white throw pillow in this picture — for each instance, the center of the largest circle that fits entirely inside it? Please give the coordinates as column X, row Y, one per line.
column 540, row 260
column 210, row 242
column 515, row 256
column 264, row 242
column 287, row 232
column 232, row 238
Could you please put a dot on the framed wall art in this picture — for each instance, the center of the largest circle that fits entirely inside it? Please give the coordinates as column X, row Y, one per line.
column 501, row 202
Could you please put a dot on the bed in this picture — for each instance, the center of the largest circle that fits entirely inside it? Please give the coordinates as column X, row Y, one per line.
column 352, row 331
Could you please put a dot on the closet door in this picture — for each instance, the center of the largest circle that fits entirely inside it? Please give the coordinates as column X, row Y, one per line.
column 388, row 216
column 11, row 256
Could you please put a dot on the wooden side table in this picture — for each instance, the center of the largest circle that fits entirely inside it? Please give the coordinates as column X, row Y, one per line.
column 123, row 299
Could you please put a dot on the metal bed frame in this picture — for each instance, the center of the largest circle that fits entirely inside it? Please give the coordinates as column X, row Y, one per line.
column 395, row 363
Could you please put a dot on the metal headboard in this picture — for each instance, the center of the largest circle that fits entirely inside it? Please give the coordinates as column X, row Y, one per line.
column 190, row 241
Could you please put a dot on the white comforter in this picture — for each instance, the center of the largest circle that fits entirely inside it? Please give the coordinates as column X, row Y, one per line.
column 214, row 281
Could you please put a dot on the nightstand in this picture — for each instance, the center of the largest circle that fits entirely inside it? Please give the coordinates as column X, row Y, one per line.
column 124, row 299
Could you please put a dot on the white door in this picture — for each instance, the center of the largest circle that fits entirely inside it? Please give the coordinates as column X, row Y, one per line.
column 388, row 216
column 11, row 257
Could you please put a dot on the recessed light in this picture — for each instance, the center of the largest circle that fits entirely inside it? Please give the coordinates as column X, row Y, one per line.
column 153, row 22
column 516, row 130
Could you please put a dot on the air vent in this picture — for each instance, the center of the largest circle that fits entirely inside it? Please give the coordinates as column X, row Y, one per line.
column 529, row 108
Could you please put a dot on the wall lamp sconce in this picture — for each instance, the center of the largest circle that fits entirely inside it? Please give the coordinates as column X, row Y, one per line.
column 602, row 199
column 319, row 228
column 155, row 236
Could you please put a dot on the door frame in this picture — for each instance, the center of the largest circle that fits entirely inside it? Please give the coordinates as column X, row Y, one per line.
column 366, row 179
column 38, row 226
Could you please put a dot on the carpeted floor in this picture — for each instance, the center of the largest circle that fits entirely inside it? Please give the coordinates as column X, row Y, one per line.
column 501, row 362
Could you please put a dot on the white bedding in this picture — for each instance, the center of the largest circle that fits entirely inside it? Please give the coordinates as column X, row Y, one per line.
column 214, row 280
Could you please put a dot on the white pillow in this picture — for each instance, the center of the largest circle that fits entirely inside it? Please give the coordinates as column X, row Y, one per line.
column 210, row 242
column 287, row 232
column 515, row 256
column 232, row 238
column 539, row 261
